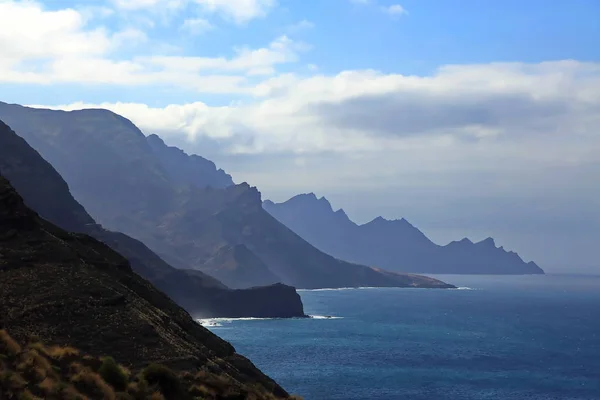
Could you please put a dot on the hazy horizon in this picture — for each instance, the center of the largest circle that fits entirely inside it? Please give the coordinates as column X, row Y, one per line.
column 463, row 120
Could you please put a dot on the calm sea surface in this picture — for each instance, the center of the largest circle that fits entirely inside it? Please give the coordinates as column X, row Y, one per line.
column 522, row 338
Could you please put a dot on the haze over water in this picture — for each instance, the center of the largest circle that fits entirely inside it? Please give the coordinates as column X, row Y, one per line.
column 518, row 337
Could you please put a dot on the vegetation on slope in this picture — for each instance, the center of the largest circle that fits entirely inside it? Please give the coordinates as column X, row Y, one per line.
column 35, row 371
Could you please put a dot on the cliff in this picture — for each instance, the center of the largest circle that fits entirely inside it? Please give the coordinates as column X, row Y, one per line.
column 46, row 192
column 69, row 289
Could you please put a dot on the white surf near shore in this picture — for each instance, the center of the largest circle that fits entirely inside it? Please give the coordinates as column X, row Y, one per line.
column 217, row 322
column 335, row 289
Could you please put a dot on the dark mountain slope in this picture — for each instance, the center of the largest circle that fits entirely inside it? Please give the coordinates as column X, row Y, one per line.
column 45, row 191
column 187, row 226
column 70, row 289
column 395, row 245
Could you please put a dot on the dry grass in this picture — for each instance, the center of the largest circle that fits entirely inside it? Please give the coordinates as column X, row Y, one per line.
column 34, row 365
column 157, row 396
column 201, row 391
column 48, row 385
column 58, row 353
column 11, row 347
column 39, row 372
column 89, row 380
column 27, row 395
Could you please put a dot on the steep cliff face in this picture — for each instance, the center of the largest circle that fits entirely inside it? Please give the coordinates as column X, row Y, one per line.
column 45, row 191
column 70, row 289
column 394, row 245
column 187, row 225
column 188, row 169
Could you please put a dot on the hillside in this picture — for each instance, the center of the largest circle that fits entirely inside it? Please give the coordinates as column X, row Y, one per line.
column 69, row 289
column 393, row 245
column 114, row 172
column 47, row 193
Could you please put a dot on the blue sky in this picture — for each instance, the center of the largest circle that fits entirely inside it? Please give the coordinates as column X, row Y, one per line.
column 470, row 117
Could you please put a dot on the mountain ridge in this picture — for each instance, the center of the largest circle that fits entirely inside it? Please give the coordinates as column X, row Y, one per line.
column 44, row 190
column 396, row 245
column 186, row 225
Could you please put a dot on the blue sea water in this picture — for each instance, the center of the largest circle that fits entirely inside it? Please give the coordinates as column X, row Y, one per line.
column 515, row 337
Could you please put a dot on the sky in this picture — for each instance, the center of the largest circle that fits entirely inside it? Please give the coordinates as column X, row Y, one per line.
column 470, row 118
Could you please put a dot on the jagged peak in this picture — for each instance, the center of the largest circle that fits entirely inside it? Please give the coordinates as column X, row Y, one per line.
column 378, row 220
column 247, row 190
column 383, row 221
column 489, row 241
column 312, row 200
column 342, row 212
column 155, row 138
column 302, row 197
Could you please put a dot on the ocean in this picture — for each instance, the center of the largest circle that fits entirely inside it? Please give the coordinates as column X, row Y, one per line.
column 497, row 337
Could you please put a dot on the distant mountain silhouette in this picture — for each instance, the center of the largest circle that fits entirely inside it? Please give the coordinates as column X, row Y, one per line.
column 44, row 190
column 114, row 171
column 394, row 245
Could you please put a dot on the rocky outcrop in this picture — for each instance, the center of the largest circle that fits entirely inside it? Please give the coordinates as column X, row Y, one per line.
column 395, row 245
column 70, row 289
column 46, row 192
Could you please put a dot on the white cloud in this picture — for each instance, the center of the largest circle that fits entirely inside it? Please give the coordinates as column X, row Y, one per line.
column 300, row 26
column 240, row 11
column 196, row 26
column 251, row 61
column 42, row 46
column 147, row 4
column 394, row 10
column 129, row 37
column 534, row 113
column 29, row 32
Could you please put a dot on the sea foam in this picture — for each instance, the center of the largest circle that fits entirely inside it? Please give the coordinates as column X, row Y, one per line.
column 219, row 322
column 335, row 289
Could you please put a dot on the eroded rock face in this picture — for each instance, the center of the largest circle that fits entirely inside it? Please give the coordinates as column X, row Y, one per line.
column 44, row 190
column 70, row 289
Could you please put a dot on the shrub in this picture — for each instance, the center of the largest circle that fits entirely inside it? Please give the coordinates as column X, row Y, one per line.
column 35, row 366
column 58, row 353
column 27, row 395
column 157, row 396
column 89, row 380
column 48, row 385
column 8, row 344
column 167, row 380
column 113, row 374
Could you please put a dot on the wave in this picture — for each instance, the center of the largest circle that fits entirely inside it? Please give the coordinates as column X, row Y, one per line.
column 331, row 289
column 463, row 288
column 207, row 322
column 217, row 322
